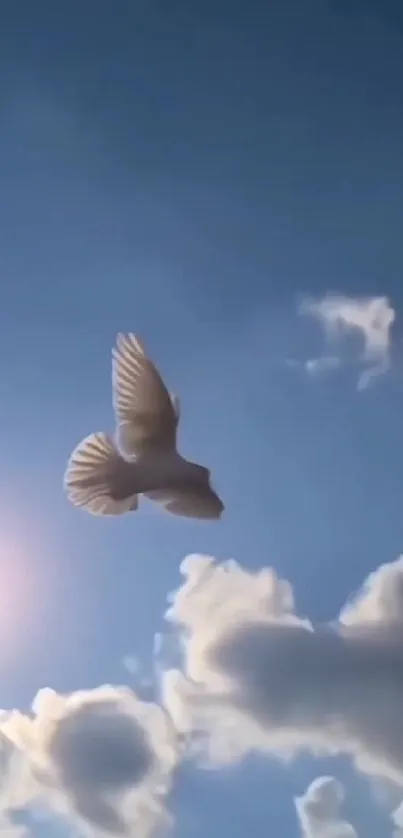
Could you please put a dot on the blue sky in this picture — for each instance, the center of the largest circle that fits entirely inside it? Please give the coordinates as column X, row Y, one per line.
column 193, row 172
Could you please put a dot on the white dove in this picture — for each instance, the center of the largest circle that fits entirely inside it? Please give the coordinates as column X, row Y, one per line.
column 106, row 482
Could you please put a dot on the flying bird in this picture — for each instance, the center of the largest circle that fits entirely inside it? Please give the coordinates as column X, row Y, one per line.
column 107, row 475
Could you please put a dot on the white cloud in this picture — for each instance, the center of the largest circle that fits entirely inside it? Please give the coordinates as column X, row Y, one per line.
column 258, row 677
column 380, row 600
column 131, row 664
column 8, row 829
column 255, row 677
column 371, row 318
column 101, row 758
column 316, row 366
column 397, row 820
column 319, row 810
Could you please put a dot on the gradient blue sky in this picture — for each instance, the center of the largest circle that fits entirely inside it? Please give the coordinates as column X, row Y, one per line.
column 189, row 171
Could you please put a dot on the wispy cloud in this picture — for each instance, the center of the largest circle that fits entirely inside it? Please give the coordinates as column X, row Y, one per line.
column 371, row 318
column 101, row 758
column 131, row 664
column 397, row 819
column 315, row 366
column 319, row 810
column 259, row 677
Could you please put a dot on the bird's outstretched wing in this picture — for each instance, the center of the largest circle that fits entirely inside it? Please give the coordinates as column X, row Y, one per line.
column 145, row 414
column 205, row 505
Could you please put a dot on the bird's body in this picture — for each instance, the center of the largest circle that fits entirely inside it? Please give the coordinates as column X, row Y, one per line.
column 107, row 476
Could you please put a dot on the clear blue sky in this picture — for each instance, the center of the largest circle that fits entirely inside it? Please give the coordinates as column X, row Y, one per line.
column 189, row 171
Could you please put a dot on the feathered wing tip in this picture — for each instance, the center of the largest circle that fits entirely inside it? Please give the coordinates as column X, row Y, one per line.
column 128, row 358
column 189, row 504
column 93, row 474
column 176, row 405
column 123, row 339
column 146, row 415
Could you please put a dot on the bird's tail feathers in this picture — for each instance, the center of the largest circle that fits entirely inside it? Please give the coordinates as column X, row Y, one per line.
column 98, row 479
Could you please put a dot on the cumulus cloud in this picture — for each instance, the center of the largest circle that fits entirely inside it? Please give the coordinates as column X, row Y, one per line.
column 371, row 318
column 253, row 676
column 102, row 758
column 256, row 676
column 319, row 810
column 380, row 600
